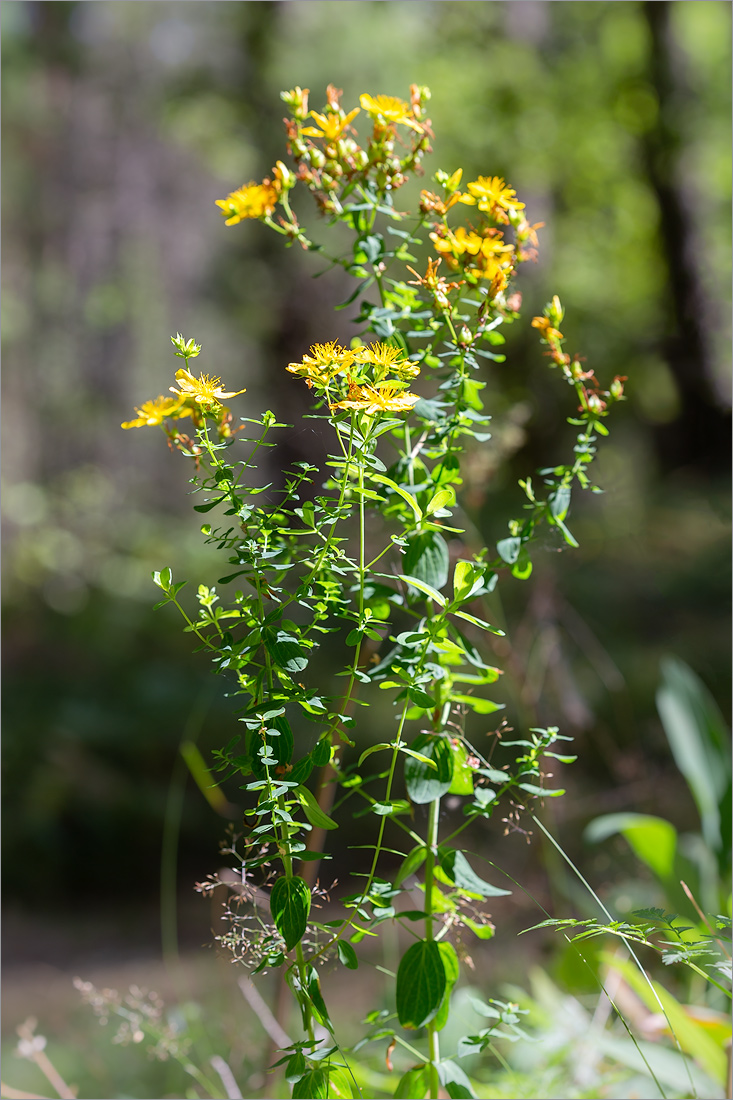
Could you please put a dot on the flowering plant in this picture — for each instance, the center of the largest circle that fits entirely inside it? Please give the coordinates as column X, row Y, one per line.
column 377, row 549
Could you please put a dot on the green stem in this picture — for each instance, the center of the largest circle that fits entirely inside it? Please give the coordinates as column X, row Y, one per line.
column 378, row 847
column 430, row 856
column 299, row 956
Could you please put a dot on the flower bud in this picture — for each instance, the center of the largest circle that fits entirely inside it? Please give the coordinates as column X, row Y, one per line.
column 297, row 100
column 284, row 176
column 452, row 182
column 617, row 388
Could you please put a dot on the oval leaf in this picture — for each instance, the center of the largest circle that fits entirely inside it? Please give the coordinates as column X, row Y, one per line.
column 313, row 1086
column 452, row 972
column 414, row 1084
column 290, row 903
column 424, row 587
column 462, row 781
column 459, row 871
column 347, row 955
column 322, row 752
column 421, row 983
column 425, row 784
column 313, row 811
column 279, row 738
column 427, row 559
column 410, row 863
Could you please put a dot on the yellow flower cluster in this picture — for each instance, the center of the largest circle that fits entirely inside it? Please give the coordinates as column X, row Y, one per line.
column 254, row 200
column 365, row 370
column 203, row 391
column 332, row 126
column 382, row 397
column 195, row 396
column 152, row 413
column 388, row 109
column 478, row 253
column 492, row 195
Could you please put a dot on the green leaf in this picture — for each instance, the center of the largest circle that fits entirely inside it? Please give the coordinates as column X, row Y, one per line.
column 339, row 1085
column 478, row 622
column 480, row 706
column 419, row 756
column 322, row 752
column 290, row 903
column 425, row 588
column 444, row 498
column 368, row 249
column 347, row 955
column 281, row 745
column 522, row 568
column 301, row 769
column 312, row 810
column 560, row 502
column 162, row 578
column 700, row 744
column 421, row 698
column 653, row 839
column 382, row 479
column 482, row 931
column 462, row 782
column 209, row 505
column 459, row 871
column 570, row 539
column 541, row 792
column 509, row 549
column 467, row 579
column 284, row 648
column 313, row 989
column 454, row 1081
column 414, row 1084
column 388, row 809
column 313, row 1086
column 373, row 748
column 410, row 864
column 423, row 783
column 421, row 983
column 452, row 973
column 427, row 558
column 295, row 1067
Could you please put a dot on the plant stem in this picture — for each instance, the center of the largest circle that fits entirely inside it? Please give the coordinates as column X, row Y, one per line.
column 432, row 851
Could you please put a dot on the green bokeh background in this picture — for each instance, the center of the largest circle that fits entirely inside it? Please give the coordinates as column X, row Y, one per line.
column 122, row 123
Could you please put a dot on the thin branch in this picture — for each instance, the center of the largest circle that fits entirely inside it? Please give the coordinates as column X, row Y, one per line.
column 261, row 1010
column 227, row 1078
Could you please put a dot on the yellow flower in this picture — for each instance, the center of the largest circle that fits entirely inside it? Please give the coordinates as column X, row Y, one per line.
column 493, row 192
column 154, row 412
column 332, row 126
column 255, row 200
column 494, row 268
column 389, row 108
column 324, row 362
column 466, row 241
column 430, row 203
column 384, row 397
column 386, row 357
column 204, row 390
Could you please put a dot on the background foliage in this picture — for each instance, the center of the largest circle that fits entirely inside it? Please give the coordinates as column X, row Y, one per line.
column 122, row 123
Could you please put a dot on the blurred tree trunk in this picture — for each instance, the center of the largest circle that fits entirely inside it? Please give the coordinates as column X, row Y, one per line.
column 700, row 436
column 300, row 308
